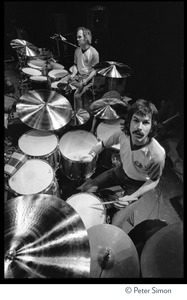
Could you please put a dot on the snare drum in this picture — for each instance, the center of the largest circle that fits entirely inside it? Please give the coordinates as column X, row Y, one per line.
column 56, row 75
column 39, row 82
column 89, row 207
column 42, row 145
column 34, row 177
column 72, row 145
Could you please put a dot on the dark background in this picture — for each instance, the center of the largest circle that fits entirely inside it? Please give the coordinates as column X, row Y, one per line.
column 146, row 35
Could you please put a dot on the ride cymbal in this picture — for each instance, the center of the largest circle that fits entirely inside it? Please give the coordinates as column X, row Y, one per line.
column 113, row 254
column 113, row 69
column 44, row 238
column 108, row 108
column 44, row 109
column 26, row 48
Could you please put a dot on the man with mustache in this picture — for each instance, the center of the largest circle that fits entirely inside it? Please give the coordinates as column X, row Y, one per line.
column 142, row 157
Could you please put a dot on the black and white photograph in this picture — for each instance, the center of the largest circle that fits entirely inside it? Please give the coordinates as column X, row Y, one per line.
column 93, row 142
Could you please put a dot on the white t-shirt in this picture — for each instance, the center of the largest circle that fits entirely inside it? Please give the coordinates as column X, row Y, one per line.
column 86, row 61
column 142, row 164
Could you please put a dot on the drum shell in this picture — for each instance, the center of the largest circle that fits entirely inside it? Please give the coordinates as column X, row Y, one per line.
column 39, row 84
column 77, row 170
column 72, row 146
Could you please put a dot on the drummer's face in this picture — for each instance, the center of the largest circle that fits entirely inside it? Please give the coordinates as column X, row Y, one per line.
column 80, row 38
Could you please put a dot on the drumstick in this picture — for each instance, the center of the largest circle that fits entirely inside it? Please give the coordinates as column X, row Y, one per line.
column 114, row 201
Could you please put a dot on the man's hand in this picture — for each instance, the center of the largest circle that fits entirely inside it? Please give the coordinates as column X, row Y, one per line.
column 86, row 158
column 122, row 202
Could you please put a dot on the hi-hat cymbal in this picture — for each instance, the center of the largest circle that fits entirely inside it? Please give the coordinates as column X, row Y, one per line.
column 163, row 253
column 44, row 109
column 44, row 238
column 113, row 254
column 26, row 48
column 113, row 69
column 108, row 108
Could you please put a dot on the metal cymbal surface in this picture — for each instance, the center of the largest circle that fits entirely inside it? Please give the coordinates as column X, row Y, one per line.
column 44, row 238
column 113, row 69
column 113, row 254
column 44, row 109
column 25, row 47
column 108, row 108
column 163, row 253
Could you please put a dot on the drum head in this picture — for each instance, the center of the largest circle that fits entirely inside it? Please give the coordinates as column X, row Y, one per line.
column 33, row 177
column 74, row 144
column 38, row 78
column 89, row 207
column 38, row 143
column 37, row 63
column 106, row 129
column 57, row 74
column 32, row 72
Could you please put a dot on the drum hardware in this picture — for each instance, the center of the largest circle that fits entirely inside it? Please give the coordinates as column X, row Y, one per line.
column 73, row 145
column 44, row 110
column 49, row 241
column 84, row 204
column 113, row 254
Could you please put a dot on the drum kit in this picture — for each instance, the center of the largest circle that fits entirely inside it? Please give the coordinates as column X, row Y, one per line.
column 45, row 236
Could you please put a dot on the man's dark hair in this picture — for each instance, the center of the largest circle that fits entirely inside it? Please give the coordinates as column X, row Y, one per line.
column 141, row 107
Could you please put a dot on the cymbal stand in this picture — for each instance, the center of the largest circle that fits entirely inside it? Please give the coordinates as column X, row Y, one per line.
column 46, row 71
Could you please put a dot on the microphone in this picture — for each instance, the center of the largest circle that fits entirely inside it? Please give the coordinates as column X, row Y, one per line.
column 62, row 38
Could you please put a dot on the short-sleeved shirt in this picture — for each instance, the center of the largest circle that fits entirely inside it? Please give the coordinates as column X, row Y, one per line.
column 86, row 60
column 144, row 163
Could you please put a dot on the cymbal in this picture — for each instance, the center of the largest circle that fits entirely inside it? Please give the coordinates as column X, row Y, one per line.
column 108, row 108
column 113, row 254
column 44, row 109
column 113, row 69
column 82, row 116
column 25, row 47
column 162, row 255
column 44, row 238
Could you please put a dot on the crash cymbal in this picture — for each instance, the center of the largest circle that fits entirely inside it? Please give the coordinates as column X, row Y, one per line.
column 108, row 108
column 44, row 238
column 113, row 69
column 113, row 254
column 44, row 109
column 163, row 253
column 26, row 48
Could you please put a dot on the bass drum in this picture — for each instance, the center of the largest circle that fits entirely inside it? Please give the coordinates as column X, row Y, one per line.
column 73, row 145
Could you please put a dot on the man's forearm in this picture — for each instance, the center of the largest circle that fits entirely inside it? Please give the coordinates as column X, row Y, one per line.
column 147, row 186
